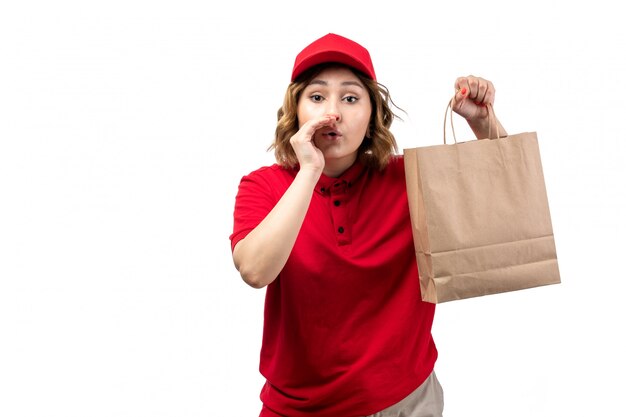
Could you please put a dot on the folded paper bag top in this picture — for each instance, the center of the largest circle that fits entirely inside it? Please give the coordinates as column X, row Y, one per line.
column 480, row 217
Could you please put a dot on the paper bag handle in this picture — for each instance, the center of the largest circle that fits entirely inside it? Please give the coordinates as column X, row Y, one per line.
column 490, row 114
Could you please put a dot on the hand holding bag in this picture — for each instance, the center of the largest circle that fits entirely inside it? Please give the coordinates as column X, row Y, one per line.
column 480, row 216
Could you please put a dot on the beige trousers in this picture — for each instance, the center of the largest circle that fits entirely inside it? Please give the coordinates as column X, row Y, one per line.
column 425, row 401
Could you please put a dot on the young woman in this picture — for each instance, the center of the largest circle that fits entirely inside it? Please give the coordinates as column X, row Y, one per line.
column 327, row 231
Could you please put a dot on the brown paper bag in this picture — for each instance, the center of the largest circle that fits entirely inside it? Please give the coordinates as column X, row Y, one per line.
column 480, row 216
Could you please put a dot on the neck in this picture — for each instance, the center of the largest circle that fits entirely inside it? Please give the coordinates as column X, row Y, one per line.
column 335, row 167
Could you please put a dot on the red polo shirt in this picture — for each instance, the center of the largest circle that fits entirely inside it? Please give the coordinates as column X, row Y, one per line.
column 345, row 331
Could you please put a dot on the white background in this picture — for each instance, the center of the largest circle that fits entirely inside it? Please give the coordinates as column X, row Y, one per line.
column 125, row 127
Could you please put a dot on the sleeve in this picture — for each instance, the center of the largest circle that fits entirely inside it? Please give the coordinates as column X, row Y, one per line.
column 254, row 200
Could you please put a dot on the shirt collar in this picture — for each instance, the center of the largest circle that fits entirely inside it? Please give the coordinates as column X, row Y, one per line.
column 327, row 185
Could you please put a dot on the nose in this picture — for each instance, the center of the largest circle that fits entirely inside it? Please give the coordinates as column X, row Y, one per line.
column 333, row 110
column 336, row 115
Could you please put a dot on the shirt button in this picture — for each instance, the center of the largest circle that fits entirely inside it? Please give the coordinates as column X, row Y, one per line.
column 340, row 230
column 337, row 203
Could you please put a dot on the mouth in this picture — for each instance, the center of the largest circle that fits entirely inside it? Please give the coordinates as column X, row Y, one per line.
column 331, row 134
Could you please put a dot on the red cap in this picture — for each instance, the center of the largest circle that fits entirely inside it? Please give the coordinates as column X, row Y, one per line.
column 334, row 48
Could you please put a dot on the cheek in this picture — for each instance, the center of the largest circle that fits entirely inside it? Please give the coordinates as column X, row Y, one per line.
column 308, row 110
column 304, row 114
column 364, row 121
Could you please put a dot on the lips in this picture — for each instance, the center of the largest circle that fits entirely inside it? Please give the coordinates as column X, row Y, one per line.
column 331, row 134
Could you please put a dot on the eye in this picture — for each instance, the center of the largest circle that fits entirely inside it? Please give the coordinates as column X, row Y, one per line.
column 351, row 99
column 316, row 98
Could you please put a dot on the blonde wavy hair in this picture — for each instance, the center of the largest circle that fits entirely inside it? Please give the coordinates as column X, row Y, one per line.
column 378, row 146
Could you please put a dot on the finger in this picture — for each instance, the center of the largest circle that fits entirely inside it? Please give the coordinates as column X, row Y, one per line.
column 324, row 121
column 481, row 91
column 319, row 122
column 308, row 129
column 473, row 84
column 490, row 94
column 461, row 88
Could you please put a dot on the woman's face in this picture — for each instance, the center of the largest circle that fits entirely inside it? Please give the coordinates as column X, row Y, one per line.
column 337, row 91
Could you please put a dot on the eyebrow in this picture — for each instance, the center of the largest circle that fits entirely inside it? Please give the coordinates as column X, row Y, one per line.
column 345, row 83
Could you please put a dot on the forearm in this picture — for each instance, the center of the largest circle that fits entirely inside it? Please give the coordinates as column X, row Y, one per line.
column 262, row 254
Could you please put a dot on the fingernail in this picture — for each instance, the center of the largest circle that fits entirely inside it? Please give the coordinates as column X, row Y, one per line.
column 463, row 91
